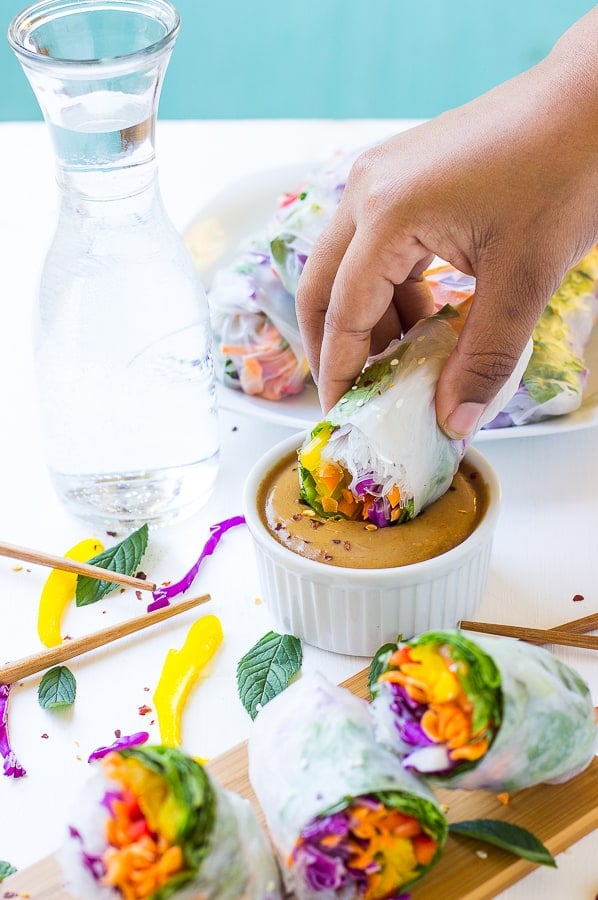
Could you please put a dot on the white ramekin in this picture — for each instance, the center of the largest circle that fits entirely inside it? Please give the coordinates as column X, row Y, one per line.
column 355, row 611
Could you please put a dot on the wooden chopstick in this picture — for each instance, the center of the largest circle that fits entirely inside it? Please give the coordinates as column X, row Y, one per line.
column 579, row 626
column 71, row 565
column 29, row 665
column 569, row 634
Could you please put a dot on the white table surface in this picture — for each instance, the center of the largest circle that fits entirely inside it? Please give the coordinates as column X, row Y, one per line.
column 545, row 550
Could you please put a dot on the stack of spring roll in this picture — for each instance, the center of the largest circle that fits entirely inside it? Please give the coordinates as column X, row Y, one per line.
column 258, row 345
column 252, row 301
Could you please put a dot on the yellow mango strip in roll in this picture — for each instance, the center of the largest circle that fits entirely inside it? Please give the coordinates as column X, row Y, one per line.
column 180, row 671
column 59, row 590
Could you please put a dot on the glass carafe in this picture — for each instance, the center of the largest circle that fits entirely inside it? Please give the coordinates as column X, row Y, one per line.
column 121, row 330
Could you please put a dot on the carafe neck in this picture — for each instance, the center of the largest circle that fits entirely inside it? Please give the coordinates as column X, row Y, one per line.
column 96, row 67
column 105, row 164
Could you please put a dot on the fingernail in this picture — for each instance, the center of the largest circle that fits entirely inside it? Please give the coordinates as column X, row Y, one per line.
column 463, row 420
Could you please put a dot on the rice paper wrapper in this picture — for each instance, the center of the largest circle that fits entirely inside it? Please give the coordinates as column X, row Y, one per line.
column 311, row 748
column 386, row 428
column 238, row 864
column 555, row 378
column 548, row 730
column 306, row 213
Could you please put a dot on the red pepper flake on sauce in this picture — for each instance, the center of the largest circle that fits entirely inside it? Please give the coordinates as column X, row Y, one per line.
column 578, row 597
column 144, row 710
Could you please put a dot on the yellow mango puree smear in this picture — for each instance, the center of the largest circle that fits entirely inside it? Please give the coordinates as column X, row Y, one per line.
column 59, row 590
column 430, row 677
column 386, row 845
column 142, row 856
column 179, row 674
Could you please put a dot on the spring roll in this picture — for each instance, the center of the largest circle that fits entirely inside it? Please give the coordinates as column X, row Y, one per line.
column 380, row 454
column 488, row 712
column 153, row 824
column 555, row 377
column 258, row 348
column 303, row 215
column 346, row 819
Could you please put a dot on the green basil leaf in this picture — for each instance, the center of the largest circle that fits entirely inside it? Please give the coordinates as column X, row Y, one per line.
column 508, row 836
column 57, row 689
column 379, row 662
column 123, row 558
column 6, row 869
column 267, row 669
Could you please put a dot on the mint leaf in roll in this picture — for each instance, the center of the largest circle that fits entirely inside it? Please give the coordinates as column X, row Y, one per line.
column 174, row 794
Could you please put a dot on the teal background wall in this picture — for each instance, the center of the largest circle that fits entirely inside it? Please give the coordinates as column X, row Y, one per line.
column 333, row 58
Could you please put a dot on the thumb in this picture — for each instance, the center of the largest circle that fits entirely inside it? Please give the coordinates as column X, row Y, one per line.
column 497, row 329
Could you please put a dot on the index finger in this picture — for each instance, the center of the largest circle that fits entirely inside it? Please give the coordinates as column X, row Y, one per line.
column 362, row 292
column 315, row 285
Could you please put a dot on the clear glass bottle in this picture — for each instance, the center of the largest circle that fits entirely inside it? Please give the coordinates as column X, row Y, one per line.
column 122, row 335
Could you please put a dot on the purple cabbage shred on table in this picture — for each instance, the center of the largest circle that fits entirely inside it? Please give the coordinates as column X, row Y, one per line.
column 11, row 766
column 127, row 740
column 164, row 595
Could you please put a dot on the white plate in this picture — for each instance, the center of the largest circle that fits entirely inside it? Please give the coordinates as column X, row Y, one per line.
column 242, row 209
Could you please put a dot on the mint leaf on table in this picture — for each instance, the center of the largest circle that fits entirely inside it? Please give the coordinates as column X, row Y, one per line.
column 507, row 836
column 123, row 558
column 6, row 869
column 57, row 689
column 267, row 669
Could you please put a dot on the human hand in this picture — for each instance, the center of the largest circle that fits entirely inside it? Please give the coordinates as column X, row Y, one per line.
column 502, row 188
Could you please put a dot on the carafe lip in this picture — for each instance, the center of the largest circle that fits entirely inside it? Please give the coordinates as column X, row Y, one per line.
column 33, row 16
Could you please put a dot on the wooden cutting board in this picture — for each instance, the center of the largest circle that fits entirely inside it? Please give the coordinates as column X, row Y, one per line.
column 461, row 873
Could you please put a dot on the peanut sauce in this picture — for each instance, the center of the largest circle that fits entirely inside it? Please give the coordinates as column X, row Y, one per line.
column 357, row 544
